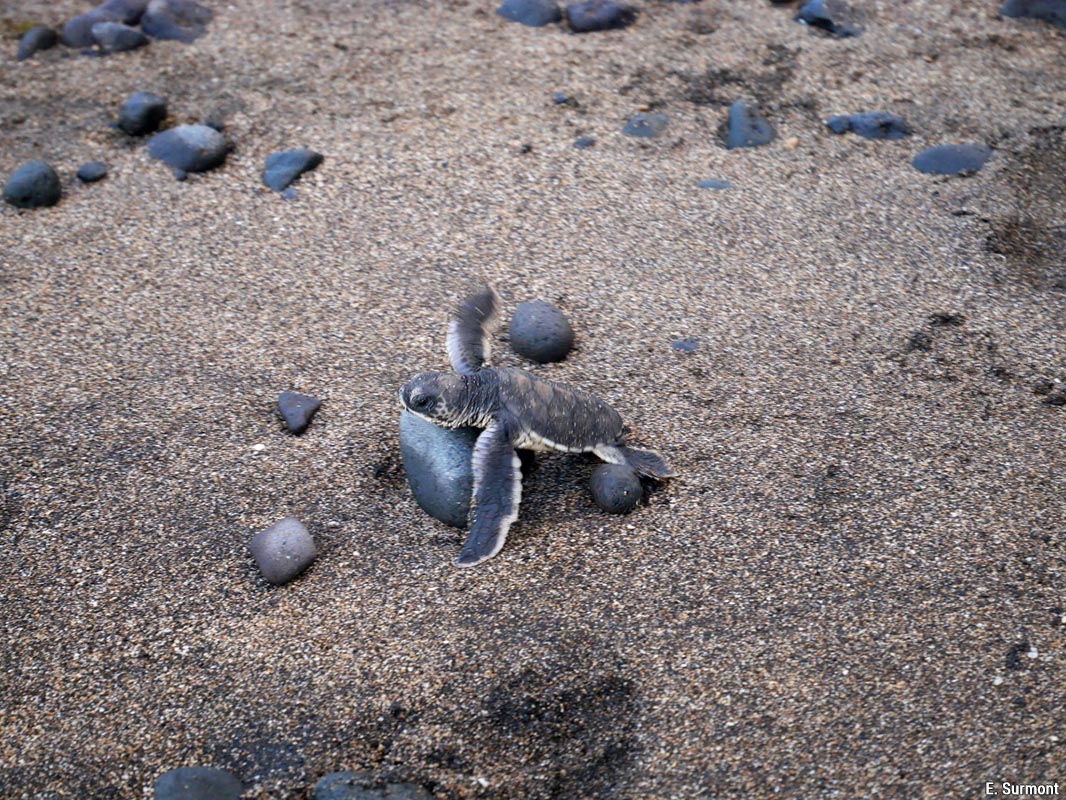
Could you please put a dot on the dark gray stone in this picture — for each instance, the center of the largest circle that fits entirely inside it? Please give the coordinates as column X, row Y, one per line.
column 870, row 124
column 362, row 786
column 646, row 126
column 297, row 410
column 114, row 37
column 92, row 171
column 189, row 148
column 585, row 16
column 283, row 550
column 1053, row 11
column 197, row 783
column 688, row 345
column 616, row 488
column 584, row 142
column 285, row 167
column 712, row 183
column 33, row 185
column 746, row 127
column 437, row 464
column 832, row 16
column 560, row 99
column 183, row 20
column 142, row 113
column 78, row 32
column 952, row 159
column 39, row 37
column 128, row 12
column 540, row 332
column 535, row 13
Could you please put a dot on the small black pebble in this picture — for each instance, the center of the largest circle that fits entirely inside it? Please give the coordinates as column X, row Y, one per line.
column 952, row 159
column 746, row 127
column 283, row 168
column 712, row 183
column 560, row 99
column 142, row 113
column 39, row 37
column 297, row 410
column 871, row 125
column 92, row 171
column 685, row 345
column 534, row 13
column 828, row 15
column 943, row 319
column 584, row 142
column 585, row 16
column 616, row 488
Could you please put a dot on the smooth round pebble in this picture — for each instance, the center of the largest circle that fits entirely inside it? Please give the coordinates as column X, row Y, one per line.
column 39, row 37
column 1053, row 11
column 584, row 142
column 534, row 13
column 114, row 37
column 33, row 185
column 541, row 332
column 437, row 464
column 297, row 409
column 832, row 16
column 646, row 126
column 180, row 20
column 952, row 159
column 283, row 550
column 745, row 127
column 283, row 168
column 616, row 488
column 197, row 783
column 585, row 16
column 870, row 124
column 92, row 171
column 189, row 148
column 713, row 183
column 142, row 113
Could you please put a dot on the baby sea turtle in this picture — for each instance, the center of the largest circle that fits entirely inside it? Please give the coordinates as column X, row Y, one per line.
column 516, row 410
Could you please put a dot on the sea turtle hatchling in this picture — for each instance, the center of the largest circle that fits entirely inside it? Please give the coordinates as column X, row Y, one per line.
column 516, row 410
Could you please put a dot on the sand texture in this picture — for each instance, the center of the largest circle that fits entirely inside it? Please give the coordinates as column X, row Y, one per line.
column 856, row 587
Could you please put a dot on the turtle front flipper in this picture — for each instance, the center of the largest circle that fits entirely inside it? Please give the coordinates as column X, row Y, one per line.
column 469, row 330
column 497, row 493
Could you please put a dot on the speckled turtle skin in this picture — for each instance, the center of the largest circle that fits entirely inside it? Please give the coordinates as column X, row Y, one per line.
column 515, row 409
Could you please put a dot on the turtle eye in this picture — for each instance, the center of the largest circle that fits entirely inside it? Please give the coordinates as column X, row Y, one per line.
column 422, row 402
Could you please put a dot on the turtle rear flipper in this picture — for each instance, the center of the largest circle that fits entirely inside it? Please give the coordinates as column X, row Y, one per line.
column 497, row 493
column 646, row 462
column 469, row 329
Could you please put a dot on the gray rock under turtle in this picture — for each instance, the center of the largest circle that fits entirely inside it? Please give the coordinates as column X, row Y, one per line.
column 283, row 550
column 437, row 463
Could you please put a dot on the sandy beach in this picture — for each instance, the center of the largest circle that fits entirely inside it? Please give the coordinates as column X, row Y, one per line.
column 856, row 587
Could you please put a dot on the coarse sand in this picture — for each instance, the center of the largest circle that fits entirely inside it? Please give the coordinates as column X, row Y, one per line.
column 856, row 587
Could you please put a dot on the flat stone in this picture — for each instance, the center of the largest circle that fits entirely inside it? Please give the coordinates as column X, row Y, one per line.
column 870, row 124
column 78, row 32
column 1053, row 11
column 534, row 13
column 362, row 786
column 713, row 183
column 181, row 20
column 33, row 185
column 114, row 37
column 832, row 16
column 646, row 126
column 297, row 410
column 37, row 38
column 437, row 463
column 952, row 159
column 585, row 16
column 189, row 148
column 283, row 550
column 142, row 113
column 197, row 783
column 541, row 332
column 285, row 167
column 745, row 127
column 687, row 345
column 616, row 488
column 92, row 171
column 584, row 142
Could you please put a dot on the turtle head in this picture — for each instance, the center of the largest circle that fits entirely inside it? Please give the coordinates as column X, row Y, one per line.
column 438, row 397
